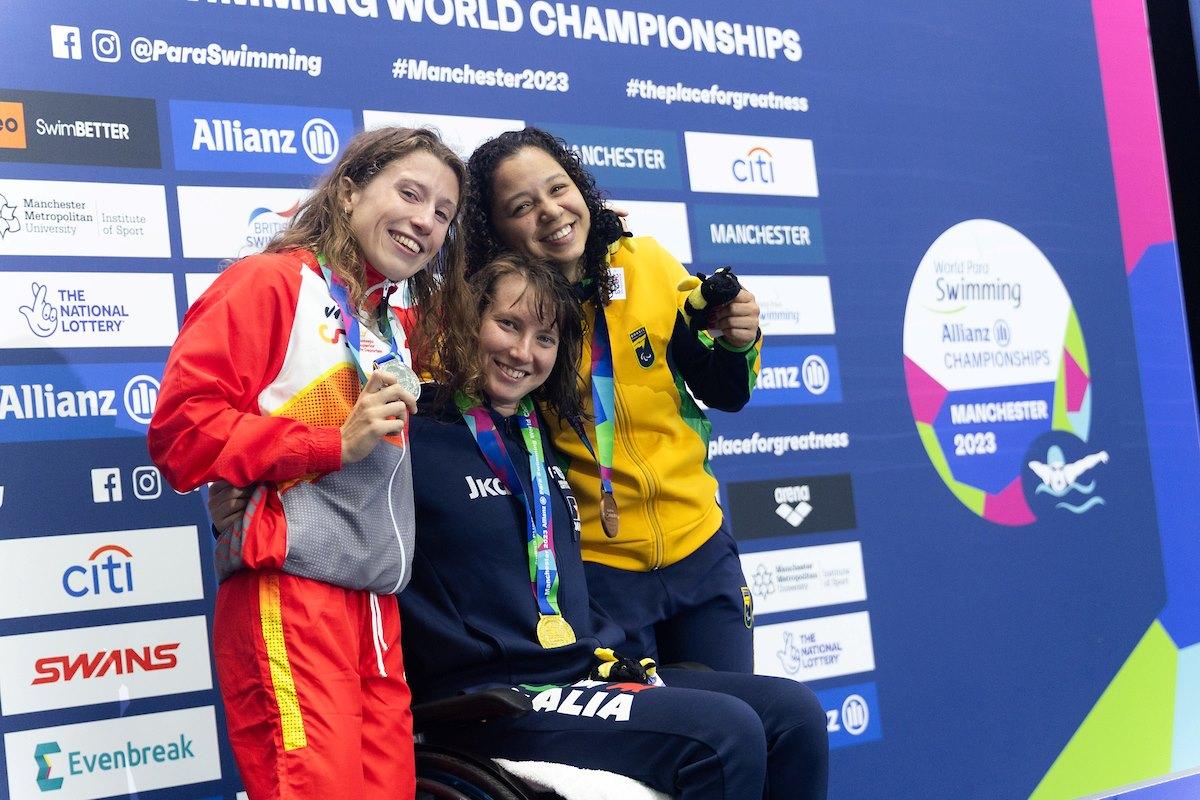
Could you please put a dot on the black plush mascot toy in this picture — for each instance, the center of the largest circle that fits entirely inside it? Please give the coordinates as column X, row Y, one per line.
column 707, row 295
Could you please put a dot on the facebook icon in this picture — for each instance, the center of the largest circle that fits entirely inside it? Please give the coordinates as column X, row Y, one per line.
column 64, row 39
column 106, row 485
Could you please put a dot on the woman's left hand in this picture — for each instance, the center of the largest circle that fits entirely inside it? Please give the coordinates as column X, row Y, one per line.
column 737, row 320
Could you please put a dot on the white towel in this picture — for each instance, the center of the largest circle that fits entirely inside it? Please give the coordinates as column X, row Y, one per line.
column 574, row 783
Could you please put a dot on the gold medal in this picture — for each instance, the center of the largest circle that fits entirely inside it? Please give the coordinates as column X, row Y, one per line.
column 553, row 630
column 608, row 514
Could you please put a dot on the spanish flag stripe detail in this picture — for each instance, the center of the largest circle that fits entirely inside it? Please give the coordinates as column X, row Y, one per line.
column 270, row 612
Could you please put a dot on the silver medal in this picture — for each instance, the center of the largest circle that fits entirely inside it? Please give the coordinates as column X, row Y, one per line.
column 404, row 375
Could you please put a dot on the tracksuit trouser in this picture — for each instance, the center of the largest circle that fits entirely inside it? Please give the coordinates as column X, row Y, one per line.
column 697, row 609
column 703, row 736
column 312, row 680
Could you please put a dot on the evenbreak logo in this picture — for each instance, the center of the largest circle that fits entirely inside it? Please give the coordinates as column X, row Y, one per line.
column 129, row 755
column 253, row 138
column 41, row 756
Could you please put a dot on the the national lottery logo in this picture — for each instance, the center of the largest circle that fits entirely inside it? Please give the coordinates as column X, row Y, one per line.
column 69, row 310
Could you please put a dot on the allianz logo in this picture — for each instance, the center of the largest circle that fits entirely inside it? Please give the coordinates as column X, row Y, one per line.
column 812, row 375
column 25, row 401
column 318, row 138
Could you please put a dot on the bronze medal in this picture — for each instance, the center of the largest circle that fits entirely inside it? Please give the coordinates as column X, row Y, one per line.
column 608, row 514
column 553, row 630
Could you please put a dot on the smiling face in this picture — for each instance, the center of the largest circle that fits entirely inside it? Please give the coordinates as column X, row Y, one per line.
column 517, row 348
column 538, row 210
column 400, row 216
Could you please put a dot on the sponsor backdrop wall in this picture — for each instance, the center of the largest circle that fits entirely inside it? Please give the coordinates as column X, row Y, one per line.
column 964, row 488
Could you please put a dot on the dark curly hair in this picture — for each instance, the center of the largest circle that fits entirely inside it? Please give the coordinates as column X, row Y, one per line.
column 458, row 368
column 483, row 241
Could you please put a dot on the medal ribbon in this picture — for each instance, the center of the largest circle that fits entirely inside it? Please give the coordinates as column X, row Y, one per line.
column 603, row 401
column 543, row 569
column 386, row 319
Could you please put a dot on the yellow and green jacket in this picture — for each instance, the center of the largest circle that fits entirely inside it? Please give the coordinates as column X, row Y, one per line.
column 665, row 491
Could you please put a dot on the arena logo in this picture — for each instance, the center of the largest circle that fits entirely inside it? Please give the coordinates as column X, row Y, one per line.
column 626, row 157
column 257, row 138
column 762, row 509
column 763, row 165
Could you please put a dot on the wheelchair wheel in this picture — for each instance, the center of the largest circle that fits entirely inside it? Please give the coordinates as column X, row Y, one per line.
column 444, row 774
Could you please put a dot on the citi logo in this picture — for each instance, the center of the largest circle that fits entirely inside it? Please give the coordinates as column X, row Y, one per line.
column 485, row 487
column 109, row 570
column 318, row 138
column 120, row 661
column 758, row 166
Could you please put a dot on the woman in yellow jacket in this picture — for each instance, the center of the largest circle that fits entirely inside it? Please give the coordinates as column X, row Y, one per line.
column 659, row 558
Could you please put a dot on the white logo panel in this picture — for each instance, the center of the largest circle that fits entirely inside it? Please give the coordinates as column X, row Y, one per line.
column 792, row 304
column 461, row 134
column 86, row 571
column 85, row 666
column 812, row 649
column 197, row 283
column 666, row 222
column 87, row 309
column 805, row 577
column 60, row 218
column 764, row 165
column 228, row 222
column 107, row 758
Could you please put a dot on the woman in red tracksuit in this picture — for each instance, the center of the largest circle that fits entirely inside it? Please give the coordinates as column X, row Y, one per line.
column 272, row 383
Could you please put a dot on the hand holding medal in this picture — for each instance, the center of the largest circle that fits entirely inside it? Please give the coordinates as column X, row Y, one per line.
column 382, row 410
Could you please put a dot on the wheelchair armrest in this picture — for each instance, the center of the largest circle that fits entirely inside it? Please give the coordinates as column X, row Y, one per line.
column 471, row 708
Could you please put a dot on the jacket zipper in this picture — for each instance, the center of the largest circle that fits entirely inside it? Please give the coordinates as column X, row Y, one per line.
column 623, row 426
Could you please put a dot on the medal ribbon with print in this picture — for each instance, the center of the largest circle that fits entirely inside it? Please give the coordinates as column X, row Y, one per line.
column 604, row 414
column 387, row 321
column 552, row 630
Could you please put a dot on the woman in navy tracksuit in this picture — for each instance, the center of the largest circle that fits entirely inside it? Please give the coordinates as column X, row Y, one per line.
column 476, row 607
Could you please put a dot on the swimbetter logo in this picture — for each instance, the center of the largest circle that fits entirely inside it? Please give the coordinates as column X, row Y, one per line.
column 241, row 137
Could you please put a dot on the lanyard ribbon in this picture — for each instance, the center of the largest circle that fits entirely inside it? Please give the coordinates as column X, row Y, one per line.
column 603, row 402
column 543, row 569
column 385, row 317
